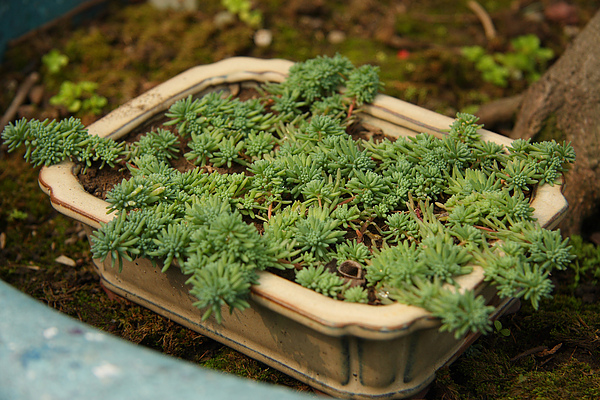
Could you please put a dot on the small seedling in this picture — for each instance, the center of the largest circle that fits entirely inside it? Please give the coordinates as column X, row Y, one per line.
column 15, row 215
column 55, row 61
column 79, row 96
column 243, row 9
column 500, row 330
column 527, row 60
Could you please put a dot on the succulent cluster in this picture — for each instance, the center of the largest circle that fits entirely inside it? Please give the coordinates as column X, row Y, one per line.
column 51, row 142
column 281, row 184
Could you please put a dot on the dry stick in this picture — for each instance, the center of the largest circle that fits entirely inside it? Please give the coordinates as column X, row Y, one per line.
column 484, row 17
column 528, row 352
column 444, row 18
column 19, row 99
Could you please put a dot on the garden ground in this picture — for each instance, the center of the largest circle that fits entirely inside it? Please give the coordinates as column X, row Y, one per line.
column 129, row 47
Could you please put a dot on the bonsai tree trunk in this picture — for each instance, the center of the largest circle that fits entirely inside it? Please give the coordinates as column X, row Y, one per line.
column 565, row 105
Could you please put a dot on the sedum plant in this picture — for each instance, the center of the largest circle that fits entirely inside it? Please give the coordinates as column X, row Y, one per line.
column 51, row 142
column 278, row 182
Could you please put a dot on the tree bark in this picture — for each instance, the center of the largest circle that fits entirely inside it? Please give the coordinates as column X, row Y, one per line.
column 565, row 105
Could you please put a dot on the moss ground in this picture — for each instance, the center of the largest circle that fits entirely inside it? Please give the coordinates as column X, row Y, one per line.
column 553, row 353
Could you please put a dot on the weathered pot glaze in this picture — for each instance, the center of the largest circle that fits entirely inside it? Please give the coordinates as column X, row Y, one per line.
column 344, row 349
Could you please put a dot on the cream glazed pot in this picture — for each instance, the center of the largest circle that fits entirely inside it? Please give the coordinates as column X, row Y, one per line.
column 344, row 349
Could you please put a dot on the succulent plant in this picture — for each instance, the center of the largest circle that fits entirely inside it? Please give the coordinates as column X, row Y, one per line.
column 415, row 212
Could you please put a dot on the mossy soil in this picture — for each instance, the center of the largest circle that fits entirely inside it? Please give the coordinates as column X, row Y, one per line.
column 127, row 48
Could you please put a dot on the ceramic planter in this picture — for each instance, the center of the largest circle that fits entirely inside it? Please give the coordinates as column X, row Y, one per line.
column 344, row 349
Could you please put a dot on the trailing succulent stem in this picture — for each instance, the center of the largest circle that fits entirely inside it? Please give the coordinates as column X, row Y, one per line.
column 277, row 182
column 51, row 142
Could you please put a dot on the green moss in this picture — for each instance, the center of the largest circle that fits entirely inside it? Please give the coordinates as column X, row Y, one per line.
column 291, row 44
column 233, row 41
column 90, row 47
column 489, row 374
column 550, row 354
column 574, row 380
column 19, row 188
column 405, row 25
column 364, row 51
column 550, row 131
column 230, row 361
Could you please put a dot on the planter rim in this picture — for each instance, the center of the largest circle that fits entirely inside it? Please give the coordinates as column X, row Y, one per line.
column 276, row 293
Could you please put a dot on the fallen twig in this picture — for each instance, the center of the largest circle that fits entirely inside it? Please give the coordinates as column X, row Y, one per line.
column 19, row 99
column 484, row 17
column 528, row 352
column 540, row 351
column 546, row 352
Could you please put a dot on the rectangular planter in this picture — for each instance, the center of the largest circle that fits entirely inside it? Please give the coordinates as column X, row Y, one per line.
column 345, row 349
